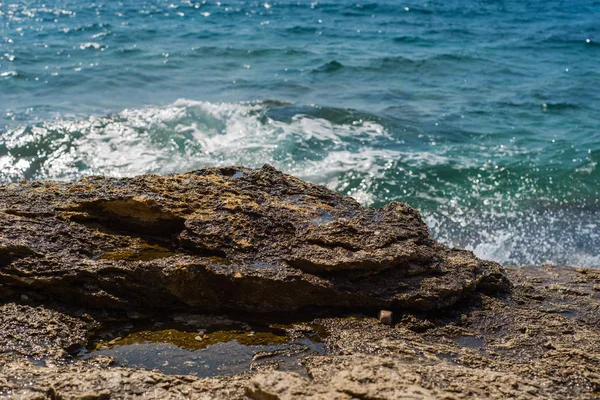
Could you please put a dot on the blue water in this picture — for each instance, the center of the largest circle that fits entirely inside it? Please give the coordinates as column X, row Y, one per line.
column 483, row 115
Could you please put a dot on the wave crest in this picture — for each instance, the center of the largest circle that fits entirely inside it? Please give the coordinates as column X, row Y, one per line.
column 469, row 202
column 182, row 136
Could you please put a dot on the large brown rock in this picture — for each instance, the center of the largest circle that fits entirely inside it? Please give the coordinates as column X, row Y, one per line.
column 224, row 238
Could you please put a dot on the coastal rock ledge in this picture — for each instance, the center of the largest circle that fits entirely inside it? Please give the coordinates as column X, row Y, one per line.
column 225, row 239
column 234, row 283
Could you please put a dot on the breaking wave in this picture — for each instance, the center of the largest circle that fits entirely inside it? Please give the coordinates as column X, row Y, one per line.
column 467, row 199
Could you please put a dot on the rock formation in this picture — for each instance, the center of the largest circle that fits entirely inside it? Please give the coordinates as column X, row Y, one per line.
column 225, row 239
column 83, row 259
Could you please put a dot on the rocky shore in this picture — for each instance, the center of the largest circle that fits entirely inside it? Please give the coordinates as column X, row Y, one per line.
column 286, row 280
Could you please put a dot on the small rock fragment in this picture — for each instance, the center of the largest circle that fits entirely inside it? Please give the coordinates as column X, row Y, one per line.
column 199, row 338
column 24, row 297
column 385, row 317
column 115, row 340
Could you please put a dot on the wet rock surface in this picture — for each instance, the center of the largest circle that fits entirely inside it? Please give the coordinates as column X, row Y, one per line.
column 103, row 263
column 225, row 238
column 542, row 341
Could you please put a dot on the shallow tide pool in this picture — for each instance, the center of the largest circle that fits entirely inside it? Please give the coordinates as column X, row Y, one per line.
column 224, row 347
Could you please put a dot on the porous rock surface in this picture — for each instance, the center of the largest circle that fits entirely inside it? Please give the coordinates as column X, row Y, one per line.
column 225, row 238
column 77, row 257
column 541, row 342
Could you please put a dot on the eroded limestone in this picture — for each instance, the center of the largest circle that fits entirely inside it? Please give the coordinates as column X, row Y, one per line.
column 225, row 238
column 540, row 342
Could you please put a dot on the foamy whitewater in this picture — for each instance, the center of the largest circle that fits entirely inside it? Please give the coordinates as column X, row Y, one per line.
column 483, row 116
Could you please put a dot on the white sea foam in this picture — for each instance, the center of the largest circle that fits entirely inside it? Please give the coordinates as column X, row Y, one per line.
column 191, row 134
column 562, row 237
column 348, row 157
column 90, row 45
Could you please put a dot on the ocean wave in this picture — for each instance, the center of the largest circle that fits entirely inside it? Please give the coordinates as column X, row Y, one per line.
column 331, row 66
column 410, row 39
column 401, row 62
column 296, row 30
column 94, row 27
column 470, row 198
column 8, row 74
column 566, row 235
column 246, row 53
column 92, row 46
column 544, row 106
column 567, row 41
column 182, row 136
column 382, row 8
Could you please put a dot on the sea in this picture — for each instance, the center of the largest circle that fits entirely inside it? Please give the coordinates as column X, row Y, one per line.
column 483, row 115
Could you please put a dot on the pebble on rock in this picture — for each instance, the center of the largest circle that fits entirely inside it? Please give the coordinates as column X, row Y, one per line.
column 385, row 317
column 115, row 340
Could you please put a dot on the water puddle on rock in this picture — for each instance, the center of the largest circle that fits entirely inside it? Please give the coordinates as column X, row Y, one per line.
column 207, row 347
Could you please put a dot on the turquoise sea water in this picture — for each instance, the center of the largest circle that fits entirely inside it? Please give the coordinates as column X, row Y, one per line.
column 485, row 115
